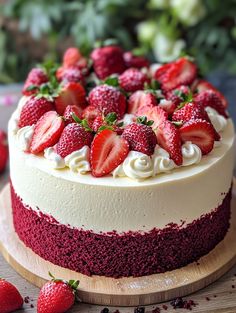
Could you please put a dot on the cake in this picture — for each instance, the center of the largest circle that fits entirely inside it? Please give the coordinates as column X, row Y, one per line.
column 120, row 168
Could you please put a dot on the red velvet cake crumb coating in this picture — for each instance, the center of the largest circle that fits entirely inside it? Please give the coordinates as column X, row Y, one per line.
column 129, row 254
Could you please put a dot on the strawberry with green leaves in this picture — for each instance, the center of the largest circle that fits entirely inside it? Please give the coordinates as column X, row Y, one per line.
column 57, row 296
column 10, row 298
column 35, row 79
column 140, row 136
column 107, row 122
column 74, row 137
column 108, row 150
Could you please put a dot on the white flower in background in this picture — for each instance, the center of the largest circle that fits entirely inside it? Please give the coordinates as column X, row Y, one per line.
column 159, row 4
column 189, row 12
column 146, row 31
column 166, row 48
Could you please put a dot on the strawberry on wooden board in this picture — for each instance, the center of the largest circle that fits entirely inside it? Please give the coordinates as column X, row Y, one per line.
column 140, row 136
column 47, row 132
column 108, row 150
column 90, row 113
column 10, row 298
column 199, row 132
column 202, row 85
column 33, row 109
column 71, row 57
column 168, row 137
column 74, row 137
column 69, row 111
column 182, row 72
column 140, row 99
column 108, row 60
column 132, row 79
column 136, row 61
column 155, row 114
column 209, row 98
column 57, row 296
column 3, row 151
column 72, row 93
column 108, row 99
column 36, row 78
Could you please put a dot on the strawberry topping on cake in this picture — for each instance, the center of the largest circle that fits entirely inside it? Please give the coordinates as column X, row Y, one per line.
column 114, row 103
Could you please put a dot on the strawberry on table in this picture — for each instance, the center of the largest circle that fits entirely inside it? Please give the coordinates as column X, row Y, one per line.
column 108, row 99
column 3, row 150
column 108, row 60
column 137, row 61
column 47, row 132
column 140, row 99
column 202, row 85
column 199, row 132
column 72, row 93
column 10, row 298
column 181, row 72
column 108, row 150
column 140, row 136
column 74, row 137
column 168, row 137
column 35, row 79
column 132, row 80
column 57, row 296
column 33, row 109
column 210, row 98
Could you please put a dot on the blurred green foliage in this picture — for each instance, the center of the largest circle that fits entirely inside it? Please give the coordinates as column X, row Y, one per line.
column 163, row 28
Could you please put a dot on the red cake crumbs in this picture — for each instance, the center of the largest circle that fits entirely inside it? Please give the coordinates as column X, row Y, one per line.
column 179, row 303
column 165, row 307
column 129, row 254
column 207, row 298
column 233, row 286
column 26, row 299
column 215, row 296
column 32, row 306
column 116, row 311
column 105, row 310
column 139, row 309
column 156, row 310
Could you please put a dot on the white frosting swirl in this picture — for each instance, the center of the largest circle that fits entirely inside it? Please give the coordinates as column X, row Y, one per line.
column 218, row 121
column 78, row 161
column 191, row 153
column 161, row 161
column 24, row 137
column 138, row 165
column 56, row 161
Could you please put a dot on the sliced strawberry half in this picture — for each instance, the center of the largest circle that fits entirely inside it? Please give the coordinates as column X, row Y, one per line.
column 90, row 113
column 168, row 137
column 161, row 71
column 202, row 85
column 199, row 132
column 108, row 150
column 140, row 99
column 47, row 132
column 72, row 93
column 182, row 72
column 155, row 114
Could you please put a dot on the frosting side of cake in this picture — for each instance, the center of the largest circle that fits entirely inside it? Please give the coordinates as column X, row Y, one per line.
column 129, row 254
column 100, row 205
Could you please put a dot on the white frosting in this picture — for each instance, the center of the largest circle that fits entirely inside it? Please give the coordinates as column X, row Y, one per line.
column 55, row 160
column 218, row 121
column 78, row 161
column 128, row 119
column 162, row 162
column 191, row 153
column 24, row 136
column 165, row 104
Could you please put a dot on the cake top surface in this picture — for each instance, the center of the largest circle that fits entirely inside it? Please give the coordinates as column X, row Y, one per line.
column 115, row 114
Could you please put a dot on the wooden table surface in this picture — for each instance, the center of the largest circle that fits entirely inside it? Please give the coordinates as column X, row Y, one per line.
column 220, row 297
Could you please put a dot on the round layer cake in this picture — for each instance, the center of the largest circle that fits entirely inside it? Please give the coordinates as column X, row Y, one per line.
column 147, row 215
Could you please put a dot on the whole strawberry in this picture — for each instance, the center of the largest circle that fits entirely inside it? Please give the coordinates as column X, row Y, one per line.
column 132, row 80
column 74, row 137
column 179, row 95
column 107, row 122
column 140, row 136
column 57, row 296
column 108, row 99
column 10, row 298
column 69, row 74
column 190, row 110
column 71, row 57
column 35, row 79
column 108, row 60
column 3, row 151
column 33, row 109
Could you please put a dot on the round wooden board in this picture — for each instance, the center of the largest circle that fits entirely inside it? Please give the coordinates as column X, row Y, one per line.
column 125, row 291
